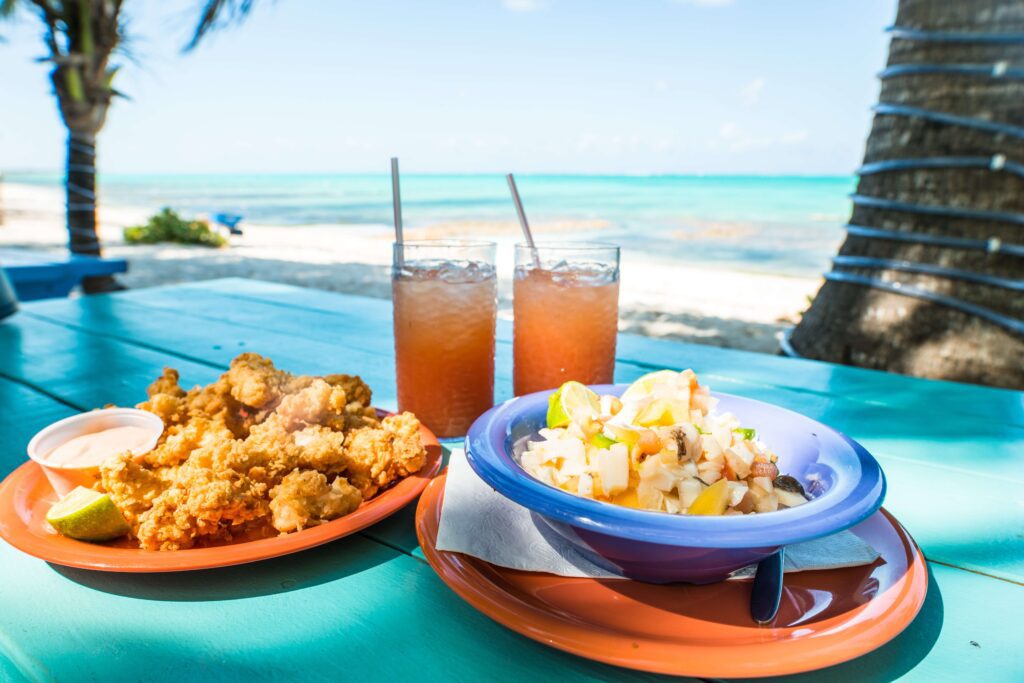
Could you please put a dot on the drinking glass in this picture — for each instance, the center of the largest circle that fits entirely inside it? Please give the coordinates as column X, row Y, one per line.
column 566, row 308
column 445, row 305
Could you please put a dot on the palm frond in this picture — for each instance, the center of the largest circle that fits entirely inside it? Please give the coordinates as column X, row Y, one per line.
column 217, row 14
column 8, row 7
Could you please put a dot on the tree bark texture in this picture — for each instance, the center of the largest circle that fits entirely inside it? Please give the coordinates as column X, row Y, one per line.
column 866, row 326
column 80, row 190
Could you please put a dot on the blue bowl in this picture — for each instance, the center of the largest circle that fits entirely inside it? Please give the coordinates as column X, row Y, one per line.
column 844, row 481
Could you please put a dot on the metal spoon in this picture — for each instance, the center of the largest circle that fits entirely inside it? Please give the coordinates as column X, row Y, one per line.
column 766, row 592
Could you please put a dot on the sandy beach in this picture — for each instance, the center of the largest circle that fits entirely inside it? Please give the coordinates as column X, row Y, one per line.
column 709, row 306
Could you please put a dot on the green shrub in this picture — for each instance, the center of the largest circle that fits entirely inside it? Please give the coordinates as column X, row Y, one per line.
column 168, row 226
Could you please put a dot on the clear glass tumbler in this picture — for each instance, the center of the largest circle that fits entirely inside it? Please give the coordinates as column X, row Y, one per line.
column 445, row 306
column 566, row 307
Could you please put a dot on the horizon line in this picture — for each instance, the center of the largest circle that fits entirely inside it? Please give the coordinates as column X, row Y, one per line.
column 6, row 175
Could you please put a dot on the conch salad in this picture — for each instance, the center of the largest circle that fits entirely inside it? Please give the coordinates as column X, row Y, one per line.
column 660, row 446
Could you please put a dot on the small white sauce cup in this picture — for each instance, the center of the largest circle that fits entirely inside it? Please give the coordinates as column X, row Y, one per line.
column 64, row 478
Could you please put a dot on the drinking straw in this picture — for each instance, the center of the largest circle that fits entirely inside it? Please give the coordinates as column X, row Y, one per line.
column 396, row 200
column 523, row 223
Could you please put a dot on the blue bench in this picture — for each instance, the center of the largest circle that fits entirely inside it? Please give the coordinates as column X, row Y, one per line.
column 45, row 275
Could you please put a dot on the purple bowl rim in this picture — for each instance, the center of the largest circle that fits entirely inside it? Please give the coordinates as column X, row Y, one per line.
column 486, row 453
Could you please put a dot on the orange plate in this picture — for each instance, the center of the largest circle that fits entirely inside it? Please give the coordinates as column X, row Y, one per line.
column 826, row 617
column 26, row 496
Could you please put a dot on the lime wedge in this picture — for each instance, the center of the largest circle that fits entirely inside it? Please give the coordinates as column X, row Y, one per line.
column 645, row 385
column 622, row 434
column 601, row 441
column 88, row 516
column 664, row 412
column 573, row 402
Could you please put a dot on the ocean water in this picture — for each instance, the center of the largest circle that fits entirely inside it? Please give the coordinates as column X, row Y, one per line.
column 762, row 223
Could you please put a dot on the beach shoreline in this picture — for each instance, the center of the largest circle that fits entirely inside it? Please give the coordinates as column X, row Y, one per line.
column 721, row 306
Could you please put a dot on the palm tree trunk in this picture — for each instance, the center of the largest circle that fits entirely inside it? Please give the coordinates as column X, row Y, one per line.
column 80, row 191
column 928, row 281
column 80, row 188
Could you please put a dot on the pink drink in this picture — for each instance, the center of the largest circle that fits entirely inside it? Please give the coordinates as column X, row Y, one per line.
column 566, row 306
column 445, row 298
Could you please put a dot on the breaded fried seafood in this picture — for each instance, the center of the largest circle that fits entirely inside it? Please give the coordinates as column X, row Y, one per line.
column 258, row 452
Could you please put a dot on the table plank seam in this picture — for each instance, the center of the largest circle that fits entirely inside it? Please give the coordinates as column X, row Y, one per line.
column 974, row 571
column 884, row 453
column 43, row 317
column 39, row 390
column 127, row 340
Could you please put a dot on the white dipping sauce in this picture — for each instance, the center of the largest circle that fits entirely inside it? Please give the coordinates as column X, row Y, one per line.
column 89, row 450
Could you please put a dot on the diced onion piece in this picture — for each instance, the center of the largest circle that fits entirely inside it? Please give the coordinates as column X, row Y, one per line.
column 738, row 463
column 544, row 474
column 660, row 473
column 612, row 466
column 737, row 489
column 689, row 489
column 585, row 486
column 649, row 497
column 789, row 498
column 701, row 400
column 711, row 476
column 768, row 503
column 712, row 450
column 709, row 466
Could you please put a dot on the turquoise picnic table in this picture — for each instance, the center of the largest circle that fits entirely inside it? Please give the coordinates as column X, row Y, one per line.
column 44, row 275
column 369, row 607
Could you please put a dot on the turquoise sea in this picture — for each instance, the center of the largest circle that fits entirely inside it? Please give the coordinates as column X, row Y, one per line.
column 776, row 224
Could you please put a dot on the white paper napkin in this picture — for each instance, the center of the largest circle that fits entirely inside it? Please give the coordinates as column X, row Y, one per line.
column 479, row 521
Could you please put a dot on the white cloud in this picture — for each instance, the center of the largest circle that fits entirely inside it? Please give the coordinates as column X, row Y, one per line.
column 751, row 92
column 522, row 5
column 668, row 143
column 793, row 137
column 737, row 139
column 614, row 145
column 705, row 3
column 661, row 86
column 728, row 130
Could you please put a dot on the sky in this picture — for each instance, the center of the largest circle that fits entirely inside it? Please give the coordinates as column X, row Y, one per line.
column 531, row 86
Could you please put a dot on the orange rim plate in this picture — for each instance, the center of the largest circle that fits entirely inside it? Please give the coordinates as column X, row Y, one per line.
column 26, row 495
column 826, row 617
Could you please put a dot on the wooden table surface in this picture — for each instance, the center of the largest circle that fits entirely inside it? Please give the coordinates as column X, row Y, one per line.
column 368, row 607
column 43, row 274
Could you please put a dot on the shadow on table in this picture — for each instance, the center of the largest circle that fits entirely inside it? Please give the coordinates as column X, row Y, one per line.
column 330, row 562
column 897, row 657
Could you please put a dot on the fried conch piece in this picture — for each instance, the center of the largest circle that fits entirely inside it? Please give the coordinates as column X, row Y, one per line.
column 255, row 382
column 166, row 399
column 132, row 485
column 176, row 407
column 303, row 498
column 167, row 383
column 200, row 503
column 256, row 451
column 376, row 456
